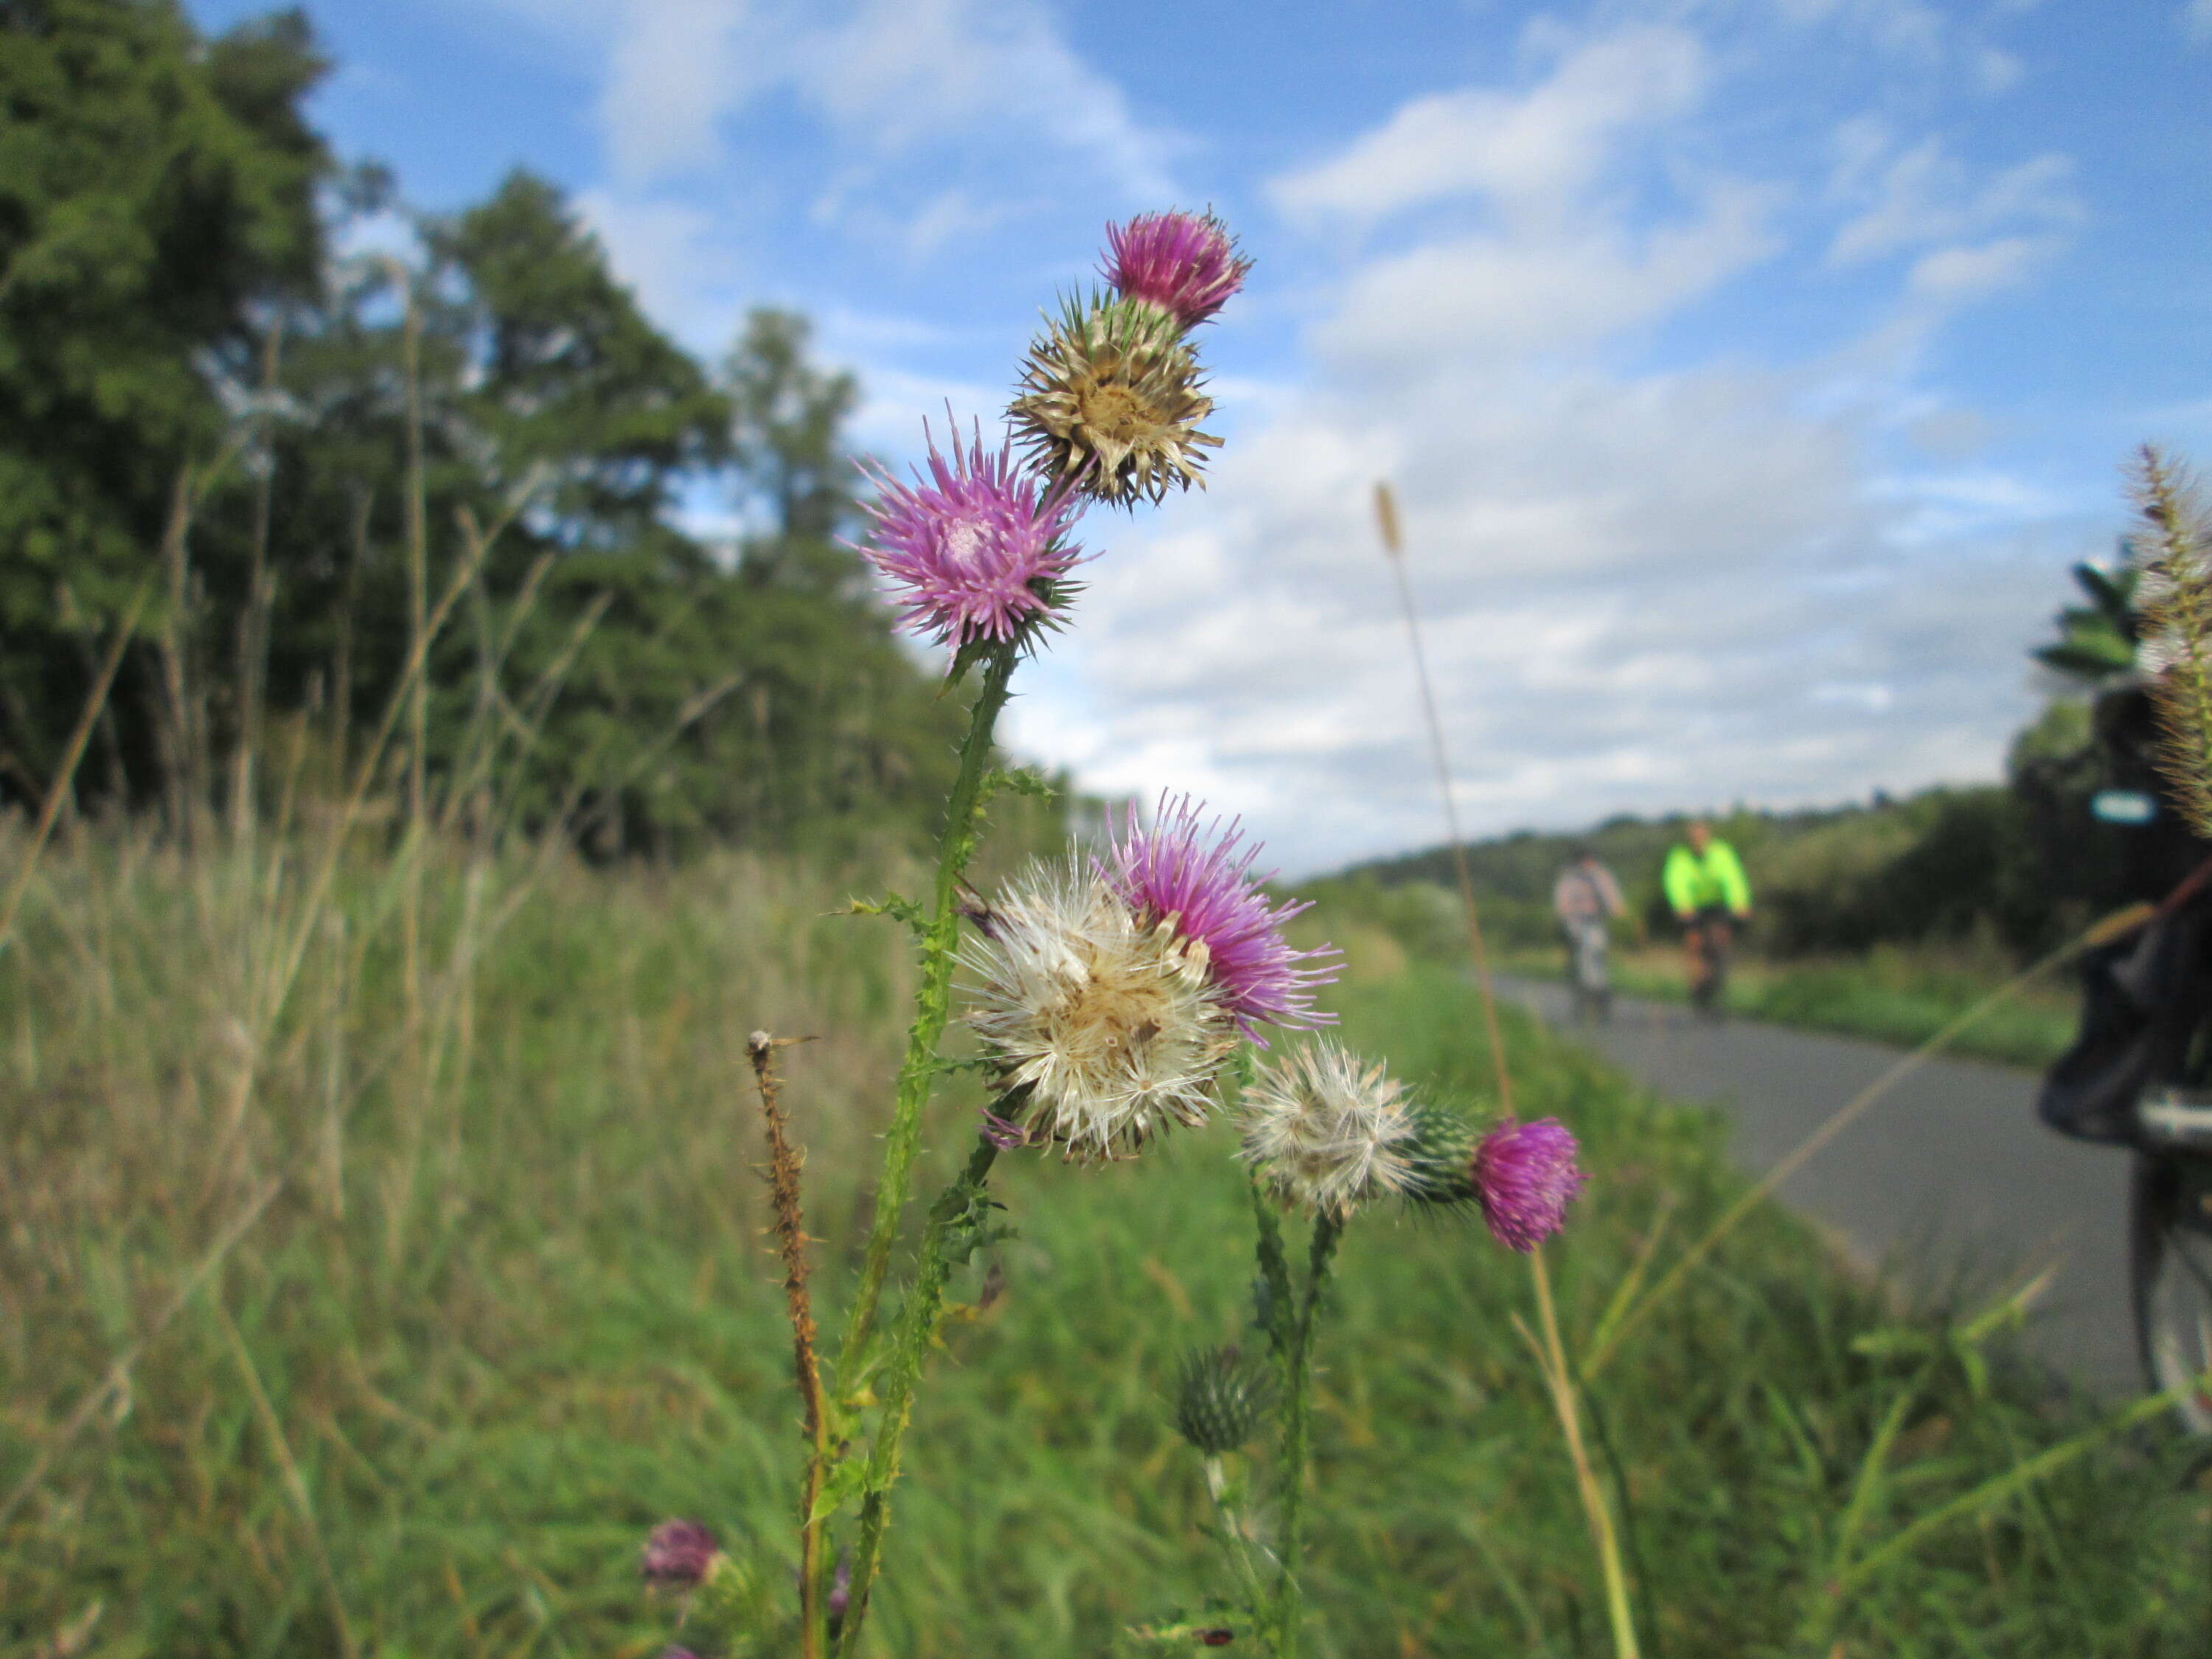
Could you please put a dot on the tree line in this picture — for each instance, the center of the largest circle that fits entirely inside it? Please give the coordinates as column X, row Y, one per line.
column 230, row 425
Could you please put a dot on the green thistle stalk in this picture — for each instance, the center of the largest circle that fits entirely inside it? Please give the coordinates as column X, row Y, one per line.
column 940, row 941
column 932, row 1007
column 958, row 1209
column 1297, row 1417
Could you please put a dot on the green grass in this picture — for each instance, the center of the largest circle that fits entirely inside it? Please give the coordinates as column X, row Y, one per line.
column 513, row 1304
column 1891, row 993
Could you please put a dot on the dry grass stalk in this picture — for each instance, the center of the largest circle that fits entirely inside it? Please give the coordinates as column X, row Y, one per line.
column 784, row 1162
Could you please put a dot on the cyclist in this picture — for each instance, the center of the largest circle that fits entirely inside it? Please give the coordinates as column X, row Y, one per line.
column 1584, row 898
column 1705, row 885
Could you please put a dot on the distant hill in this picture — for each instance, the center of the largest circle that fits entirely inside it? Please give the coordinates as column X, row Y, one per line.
column 1522, row 865
column 1948, row 862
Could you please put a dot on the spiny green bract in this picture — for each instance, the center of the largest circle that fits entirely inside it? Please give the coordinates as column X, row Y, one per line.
column 1221, row 1400
column 1110, row 403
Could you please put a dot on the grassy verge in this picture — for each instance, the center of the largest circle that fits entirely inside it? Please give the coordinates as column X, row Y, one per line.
column 1891, row 994
column 510, row 1304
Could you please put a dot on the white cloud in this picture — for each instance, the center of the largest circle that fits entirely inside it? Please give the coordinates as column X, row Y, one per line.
column 1923, row 195
column 888, row 75
column 668, row 252
column 1970, row 273
column 1492, row 294
column 676, row 69
column 1541, row 148
column 900, row 73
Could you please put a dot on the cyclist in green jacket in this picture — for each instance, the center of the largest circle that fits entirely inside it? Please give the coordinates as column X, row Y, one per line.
column 1705, row 885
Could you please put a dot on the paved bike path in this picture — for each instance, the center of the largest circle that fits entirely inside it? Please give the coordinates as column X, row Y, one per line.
column 1949, row 1168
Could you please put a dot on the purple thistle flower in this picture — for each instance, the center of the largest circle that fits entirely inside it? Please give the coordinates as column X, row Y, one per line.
column 679, row 1553
column 1524, row 1176
column 1186, row 264
column 1195, row 873
column 977, row 550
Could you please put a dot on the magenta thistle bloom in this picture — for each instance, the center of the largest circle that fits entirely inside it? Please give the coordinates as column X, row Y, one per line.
column 1185, row 264
column 977, row 552
column 1193, row 873
column 679, row 1553
column 1524, row 1176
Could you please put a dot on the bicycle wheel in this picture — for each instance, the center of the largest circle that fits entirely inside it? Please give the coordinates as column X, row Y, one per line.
column 2170, row 1236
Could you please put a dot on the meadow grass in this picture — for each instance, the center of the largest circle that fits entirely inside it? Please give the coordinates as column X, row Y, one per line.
column 506, row 1300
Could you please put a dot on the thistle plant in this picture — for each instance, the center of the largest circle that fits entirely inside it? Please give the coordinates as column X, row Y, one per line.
column 1327, row 1134
column 1109, row 995
column 1112, row 997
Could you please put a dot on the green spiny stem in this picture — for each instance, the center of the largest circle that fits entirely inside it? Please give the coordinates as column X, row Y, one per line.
column 1234, row 1542
column 932, row 1009
column 1326, row 1231
column 1274, row 1279
column 955, row 1209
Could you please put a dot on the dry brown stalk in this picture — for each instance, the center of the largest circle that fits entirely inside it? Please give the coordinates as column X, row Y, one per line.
column 784, row 1162
column 1552, row 1354
column 1386, row 519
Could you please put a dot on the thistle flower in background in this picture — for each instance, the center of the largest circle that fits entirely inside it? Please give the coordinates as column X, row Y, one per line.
column 1110, row 403
column 1103, row 1025
column 1326, row 1132
column 1221, row 1400
column 677, row 1553
column 976, row 552
column 1183, row 264
column 1191, row 874
column 1524, row 1177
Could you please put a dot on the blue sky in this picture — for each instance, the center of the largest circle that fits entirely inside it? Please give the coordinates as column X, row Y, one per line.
column 1749, row 370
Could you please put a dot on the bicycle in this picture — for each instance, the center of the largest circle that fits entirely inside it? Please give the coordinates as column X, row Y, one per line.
column 1590, row 989
column 1711, row 936
column 2137, row 1075
column 2170, row 1248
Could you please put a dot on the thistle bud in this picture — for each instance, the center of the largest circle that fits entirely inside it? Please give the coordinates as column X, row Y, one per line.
column 1524, row 1176
column 1440, row 1154
column 1183, row 264
column 1221, row 1401
column 677, row 1553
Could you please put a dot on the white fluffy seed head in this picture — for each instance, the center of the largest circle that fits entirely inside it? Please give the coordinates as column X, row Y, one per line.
column 1326, row 1132
column 1113, row 1027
